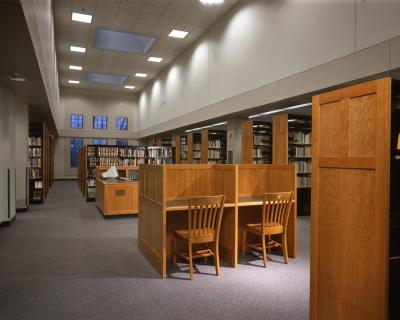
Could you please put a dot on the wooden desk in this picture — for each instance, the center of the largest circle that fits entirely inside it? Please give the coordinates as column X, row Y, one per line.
column 117, row 197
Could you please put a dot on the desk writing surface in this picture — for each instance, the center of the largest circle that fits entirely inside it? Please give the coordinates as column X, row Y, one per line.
column 182, row 205
column 252, row 201
column 117, row 181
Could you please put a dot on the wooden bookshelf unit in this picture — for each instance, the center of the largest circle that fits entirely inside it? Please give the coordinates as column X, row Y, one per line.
column 256, row 142
column 213, row 146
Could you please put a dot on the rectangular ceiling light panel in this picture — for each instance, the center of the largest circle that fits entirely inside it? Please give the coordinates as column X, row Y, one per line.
column 122, row 41
column 86, row 18
column 178, row 34
column 155, row 59
column 77, row 49
column 75, row 68
column 105, row 78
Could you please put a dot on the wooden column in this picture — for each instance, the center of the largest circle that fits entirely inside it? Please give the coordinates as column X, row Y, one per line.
column 204, row 146
column 280, row 139
column 190, row 148
column 247, row 141
column 178, row 149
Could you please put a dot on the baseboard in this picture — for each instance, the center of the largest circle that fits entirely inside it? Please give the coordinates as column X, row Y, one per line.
column 19, row 210
column 8, row 223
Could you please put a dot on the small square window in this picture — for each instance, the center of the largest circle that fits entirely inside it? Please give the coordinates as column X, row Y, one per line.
column 100, row 122
column 122, row 123
column 100, row 142
column 122, row 143
column 76, row 121
column 76, row 144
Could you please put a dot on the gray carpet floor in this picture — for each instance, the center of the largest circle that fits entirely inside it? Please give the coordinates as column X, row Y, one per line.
column 62, row 260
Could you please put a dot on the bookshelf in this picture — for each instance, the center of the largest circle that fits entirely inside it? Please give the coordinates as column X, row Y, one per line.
column 256, row 142
column 91, row 156
column 182, row 146
column 213, row 146
column 40, row 154
column 292, row 145
column 195, row 147
column 160, row 155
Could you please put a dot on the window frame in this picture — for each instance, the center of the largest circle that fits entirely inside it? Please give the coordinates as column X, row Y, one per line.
column 124, row 121
column 103, row 122
column 96, row 141
column 79, row 121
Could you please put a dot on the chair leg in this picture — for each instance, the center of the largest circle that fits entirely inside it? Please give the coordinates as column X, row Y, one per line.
column 216, row 258
column 243, row 243
column 264, row 250
column 173, row 252
column 206, row 247
column 190, row 261
column 284, row 247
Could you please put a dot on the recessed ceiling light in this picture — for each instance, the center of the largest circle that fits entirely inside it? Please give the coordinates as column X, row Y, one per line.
column 178, row 34
column 86, row 18
column 75, row 68
column 15, row 76
column 155, row 59
column 73, row 81
column 141, row 75
column 129, row 87
column 77, row 49
column 212, row 1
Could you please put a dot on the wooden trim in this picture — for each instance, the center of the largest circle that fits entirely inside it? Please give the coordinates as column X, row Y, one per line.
column 177, row 149
column 350, row 163
column 190, row 148
column 280, row 139
column 204, row 146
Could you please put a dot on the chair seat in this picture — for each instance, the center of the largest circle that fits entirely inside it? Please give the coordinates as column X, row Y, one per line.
column 269, row 228
column 196, row 238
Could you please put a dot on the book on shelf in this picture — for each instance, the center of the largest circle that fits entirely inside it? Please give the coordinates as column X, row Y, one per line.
column 34, row 141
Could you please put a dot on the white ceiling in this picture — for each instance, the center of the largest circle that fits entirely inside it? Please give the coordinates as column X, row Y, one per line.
column 145, row 17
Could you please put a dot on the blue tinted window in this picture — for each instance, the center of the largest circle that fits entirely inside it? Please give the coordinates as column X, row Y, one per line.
column 100, row 122
column 122, row 123
column 122, row 142
column 76, row 144
column 101, row 142
column 76, row 121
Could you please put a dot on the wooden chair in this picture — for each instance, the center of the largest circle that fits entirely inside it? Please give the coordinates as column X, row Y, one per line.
column 204, row 222
column 275, row 216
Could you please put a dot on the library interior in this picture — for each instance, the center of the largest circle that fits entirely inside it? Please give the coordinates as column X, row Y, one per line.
column 200, row 159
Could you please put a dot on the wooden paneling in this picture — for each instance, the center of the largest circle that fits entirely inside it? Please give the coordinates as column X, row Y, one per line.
column 247, row 141
column 280, row 138
column 190, row 148
column 349, row 256
column 204, row 146
column 177, row 149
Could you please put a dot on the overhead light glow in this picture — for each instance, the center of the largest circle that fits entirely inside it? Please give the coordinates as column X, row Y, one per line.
column 73, row 81
column 75, row 68
column 178, row 34
column 141, row 75
column 129, row 87
column 292, row 120
column 86, row 18
column 77, row 49
column 280, row 110
column 155, row 59
column 209, row 126
column 211, row 2
column 15, row 76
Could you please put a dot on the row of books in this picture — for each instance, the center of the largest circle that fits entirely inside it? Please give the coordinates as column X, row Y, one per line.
column 196, row 154
column 304, row 182
column 299, row 137
column 160, row 161
column 37, row 195
column 302, row 166
column 35, row 162
column 160, row 152
column 91, row 182
column 35, row 152
column 215, row 144
column 93, row 162
column 35, row 173
column 216, row 161
column 262, row 140
column 184, row 148
column 34, row 141
column 261, row 153
column 215, row 154
column 124, row 152
column 38, row 184
column 300, row 151
column 91, row 192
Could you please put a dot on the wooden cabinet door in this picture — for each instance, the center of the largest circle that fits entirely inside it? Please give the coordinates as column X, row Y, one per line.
column 350, row 202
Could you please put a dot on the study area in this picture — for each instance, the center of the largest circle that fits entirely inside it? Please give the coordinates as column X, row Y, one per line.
column 200, row 159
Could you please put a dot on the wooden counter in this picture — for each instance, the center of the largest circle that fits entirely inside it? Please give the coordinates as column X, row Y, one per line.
column 117, row 197
column 164, row 191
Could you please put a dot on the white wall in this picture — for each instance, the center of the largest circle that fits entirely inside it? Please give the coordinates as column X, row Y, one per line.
column 7, row 152
column 39, row 18
column 21, row 151
column 255, row 54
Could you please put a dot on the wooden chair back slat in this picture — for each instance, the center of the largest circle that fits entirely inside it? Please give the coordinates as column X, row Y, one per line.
column 276, row 208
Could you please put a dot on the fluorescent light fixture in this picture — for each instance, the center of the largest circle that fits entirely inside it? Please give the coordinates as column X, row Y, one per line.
column 75, row 68
column 86, row 18
column 209, row 126
column 77, row 49
column 73, row 81
column 105, row 78
column 155, row 59
column 291, row 120
column 280, row 110
column 140, row 75
column 299, row 106
column 211, row 2
column 265, row 113
column 124, row 42
column 178, row 34
column 129, row 87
